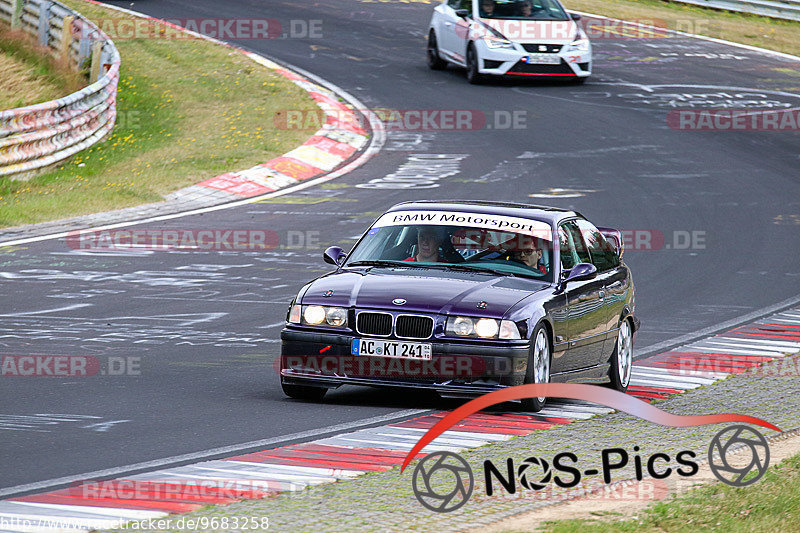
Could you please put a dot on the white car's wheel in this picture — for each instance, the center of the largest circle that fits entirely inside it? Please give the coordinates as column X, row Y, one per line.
column 435, row 62
column 473, row 76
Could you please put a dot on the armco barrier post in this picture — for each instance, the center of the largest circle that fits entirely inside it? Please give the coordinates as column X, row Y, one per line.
column 106, row 59
column 84, row 48
column 16, row 14
column 97, row 54
column 44, row 22
column 66, row 37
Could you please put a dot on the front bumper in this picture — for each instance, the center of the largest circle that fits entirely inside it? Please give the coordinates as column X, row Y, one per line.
column 324, row 359
column 505, row 62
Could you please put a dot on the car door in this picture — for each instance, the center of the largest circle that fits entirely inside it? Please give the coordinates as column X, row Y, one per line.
column 603, row 256
column 587, row 321
column 454, row 29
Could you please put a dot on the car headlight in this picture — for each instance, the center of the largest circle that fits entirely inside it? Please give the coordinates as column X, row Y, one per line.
column 314, row 315
column 484, row 328
column 581, row 43
column 462, row 326
column 336, row 316
column 496, row 42
column 317, row 315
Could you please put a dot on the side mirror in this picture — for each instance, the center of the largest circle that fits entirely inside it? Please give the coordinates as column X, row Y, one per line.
column 463, row 13
column 580, row 272
column 574, row 16
column 334, row 256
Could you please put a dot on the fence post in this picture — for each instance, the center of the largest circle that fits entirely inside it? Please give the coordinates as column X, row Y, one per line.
column 97, row 53
column 66, row 37
column 16, row 14
column 44, row 22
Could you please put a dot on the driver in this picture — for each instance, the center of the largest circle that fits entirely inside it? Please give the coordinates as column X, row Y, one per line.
column 531, row 256
column 428, row 242
column 525, row 8
column 487, row 8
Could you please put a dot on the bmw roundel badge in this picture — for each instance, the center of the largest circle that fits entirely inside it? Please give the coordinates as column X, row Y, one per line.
column 399, row 301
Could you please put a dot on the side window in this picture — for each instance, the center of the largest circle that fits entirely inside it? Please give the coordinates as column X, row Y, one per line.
column 602, row 253
column 575, row 251
column 460, row 4
column 566, row 248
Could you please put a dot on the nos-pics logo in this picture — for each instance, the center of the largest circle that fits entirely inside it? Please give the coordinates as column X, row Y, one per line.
column 444, row 481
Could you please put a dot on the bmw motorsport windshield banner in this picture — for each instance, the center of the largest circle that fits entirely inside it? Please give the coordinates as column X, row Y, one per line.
column 484, row 221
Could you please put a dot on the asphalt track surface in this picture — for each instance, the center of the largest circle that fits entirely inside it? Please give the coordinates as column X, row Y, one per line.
column 203, row 327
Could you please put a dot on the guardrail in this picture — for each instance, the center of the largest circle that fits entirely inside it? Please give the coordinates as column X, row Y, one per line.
column 37, row 136
column 782, row 9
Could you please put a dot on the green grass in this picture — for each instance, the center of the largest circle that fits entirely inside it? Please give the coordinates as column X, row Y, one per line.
column 771, row 504
column 187, row 110
column 29, row 76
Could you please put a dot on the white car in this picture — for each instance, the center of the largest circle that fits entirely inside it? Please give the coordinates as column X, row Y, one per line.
column 509, row 38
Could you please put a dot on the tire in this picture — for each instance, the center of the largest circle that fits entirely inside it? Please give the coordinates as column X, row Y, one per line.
column 435, row 62
column 473, row 76
column 621, row 362
column 304, row 392
column 538, row 367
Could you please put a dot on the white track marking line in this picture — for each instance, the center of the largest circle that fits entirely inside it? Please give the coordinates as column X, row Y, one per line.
column 732, row 351
column 487, row 436
column 381, row 444
column 762, row 343
column 636, row 382
column 335, row 472
column 561, row 413
column 116, row 512
column 745, row 350
column 671, row 375
column 270, row 475
column 45, row 311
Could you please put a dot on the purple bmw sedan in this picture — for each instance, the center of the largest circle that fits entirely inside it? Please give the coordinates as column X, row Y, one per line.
column 464, row 298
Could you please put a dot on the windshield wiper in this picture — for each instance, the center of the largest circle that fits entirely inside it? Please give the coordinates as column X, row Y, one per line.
column 476, row 268
column 379, row 263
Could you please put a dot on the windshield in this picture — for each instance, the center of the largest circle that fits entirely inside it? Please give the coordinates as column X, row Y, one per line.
column 521, row 9
column 495, row 244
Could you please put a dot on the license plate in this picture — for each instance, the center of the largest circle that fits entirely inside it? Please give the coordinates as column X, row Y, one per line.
column 411, row 350
column 543, row 59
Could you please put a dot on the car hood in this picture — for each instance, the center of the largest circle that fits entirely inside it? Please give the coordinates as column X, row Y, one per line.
column 424, row 290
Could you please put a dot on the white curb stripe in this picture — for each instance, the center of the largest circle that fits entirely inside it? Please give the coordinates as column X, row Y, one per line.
column 115, row 512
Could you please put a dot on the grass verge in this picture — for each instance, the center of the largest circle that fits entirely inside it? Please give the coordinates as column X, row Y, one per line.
column 187, row 110
column 771, row 504
column 29, row 75
column 754, row 30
